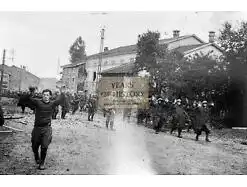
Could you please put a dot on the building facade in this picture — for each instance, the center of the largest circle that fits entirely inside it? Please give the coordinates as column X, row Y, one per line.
column 19, row 78
column 187, row 45
column 73, row 77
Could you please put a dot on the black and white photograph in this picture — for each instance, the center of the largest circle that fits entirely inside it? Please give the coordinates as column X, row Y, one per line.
column 123, row 93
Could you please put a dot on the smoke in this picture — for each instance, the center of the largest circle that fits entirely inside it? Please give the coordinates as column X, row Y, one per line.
column 129, row 154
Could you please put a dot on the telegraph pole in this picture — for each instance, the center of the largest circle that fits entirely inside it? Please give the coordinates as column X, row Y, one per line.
column 2, row 71
column 102, row 37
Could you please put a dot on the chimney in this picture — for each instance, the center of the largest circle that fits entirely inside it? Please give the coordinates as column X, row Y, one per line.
column 211, row 36
column 176, row 33
column 106, row 49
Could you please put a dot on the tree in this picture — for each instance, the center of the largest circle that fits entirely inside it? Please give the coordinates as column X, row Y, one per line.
column 234, row 42
column 173, row 75
column 148, row 53
column 77, row 51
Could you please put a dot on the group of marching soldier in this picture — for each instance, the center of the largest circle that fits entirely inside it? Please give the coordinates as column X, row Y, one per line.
column 72, row 102
column 177, row 114
column 191, row 115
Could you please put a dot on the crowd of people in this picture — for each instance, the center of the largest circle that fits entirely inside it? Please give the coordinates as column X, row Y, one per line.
column 72, row 103
column 178, row 115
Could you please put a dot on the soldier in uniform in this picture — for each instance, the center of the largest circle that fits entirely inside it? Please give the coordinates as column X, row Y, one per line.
column 1, row 116
column 65, row 106
column 192, row 113
column 75, row 103
column 83, row 102
column 110, row 114
column 56, row 109
column 179, row 118
column 202, row 121
column 91, row 108
column 160, row 116
column 42, row 131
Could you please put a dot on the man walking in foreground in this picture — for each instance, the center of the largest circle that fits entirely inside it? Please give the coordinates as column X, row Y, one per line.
column 42, row 131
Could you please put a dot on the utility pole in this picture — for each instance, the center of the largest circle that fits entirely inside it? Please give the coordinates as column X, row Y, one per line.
column 102, row 37
column 2, row 72
column 23, row 68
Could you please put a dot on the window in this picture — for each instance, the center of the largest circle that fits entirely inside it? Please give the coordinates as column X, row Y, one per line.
column 122, row 61
column 73, row 79
column 94, row 76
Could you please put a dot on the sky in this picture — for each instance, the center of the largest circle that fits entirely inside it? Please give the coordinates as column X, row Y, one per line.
column 41, row 39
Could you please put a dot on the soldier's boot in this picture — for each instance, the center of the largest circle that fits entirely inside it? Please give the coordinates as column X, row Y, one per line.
column 35, row 149
column 63, row 114
column 23, row 109
column 207, row 140
column 43, row 156
column 36, row 157
column 179, row 133
column 92, row 115
column 197, row 137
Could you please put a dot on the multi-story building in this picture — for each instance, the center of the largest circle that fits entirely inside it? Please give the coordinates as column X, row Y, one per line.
column 73, row 77
column 19, row 79
column 124, row 57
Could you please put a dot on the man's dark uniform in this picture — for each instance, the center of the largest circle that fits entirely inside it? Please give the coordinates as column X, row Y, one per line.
column 56, row 109
column 192, row 113
column 160, row 115
column 65, row 107
column 91, row 108
column 82, row 102
column 75, row 104
column 42, row 131
column 1, row 116
column 179, row 120
column 202, row 122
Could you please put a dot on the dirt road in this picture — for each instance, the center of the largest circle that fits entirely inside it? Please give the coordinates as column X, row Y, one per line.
column 82, row 147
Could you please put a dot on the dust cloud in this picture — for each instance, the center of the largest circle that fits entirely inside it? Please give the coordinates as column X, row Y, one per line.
column 129, row 155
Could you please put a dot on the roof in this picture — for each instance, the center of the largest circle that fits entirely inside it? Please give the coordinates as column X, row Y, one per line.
column 130, row 49
column 184, row 49
column 122, row 69
column 202, row 46
column 171, row 40
column 116, row 51
column 73, row 65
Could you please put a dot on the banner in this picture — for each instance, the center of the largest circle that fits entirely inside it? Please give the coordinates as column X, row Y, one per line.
column 123, row 92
